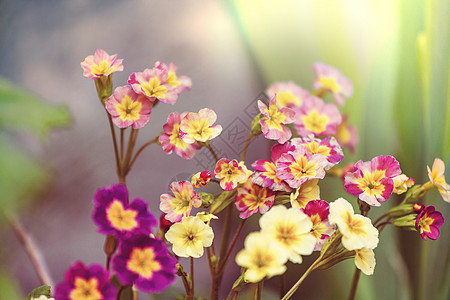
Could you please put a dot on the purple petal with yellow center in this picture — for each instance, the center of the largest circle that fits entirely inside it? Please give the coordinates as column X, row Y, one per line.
column 428, row 222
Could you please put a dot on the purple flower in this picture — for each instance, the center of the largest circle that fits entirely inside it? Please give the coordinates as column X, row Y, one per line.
column 114, row 215
column 144, row 262
column 87, row 283
column 428, row 222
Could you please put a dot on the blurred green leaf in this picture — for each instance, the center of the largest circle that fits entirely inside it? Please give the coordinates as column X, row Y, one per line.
column 8, row 287
column 39, row 291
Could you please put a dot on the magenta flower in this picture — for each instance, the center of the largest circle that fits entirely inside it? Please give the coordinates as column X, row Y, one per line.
column 171, row 141
column 100, row 64
column 85, row 283
column 428, row 222
column 318, row 211
column 177, row 83
column 347, row 135
column 144, row 262
column 272, row 120
column 288, row 94
column 328, row 147
column 333, row 81
column 114, row 215
column 152, row 84
column 128, row 108
column 201, row 179
column 316, row 117
column 372, row 181
column 299, row 166
column 231, row 172
column 251, row 198
column 180, row 205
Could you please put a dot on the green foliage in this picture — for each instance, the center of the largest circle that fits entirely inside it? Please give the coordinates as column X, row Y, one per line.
column 39, row 291
column 8, row 288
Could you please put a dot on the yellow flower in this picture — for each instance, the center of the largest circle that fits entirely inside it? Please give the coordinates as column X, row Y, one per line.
column 308, row 191
column 436, row 175
column 365, row 260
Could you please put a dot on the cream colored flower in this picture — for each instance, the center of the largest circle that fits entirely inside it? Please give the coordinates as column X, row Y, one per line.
column 365, row 260
column 436, row 175
column 402, row 183
column 306, row 192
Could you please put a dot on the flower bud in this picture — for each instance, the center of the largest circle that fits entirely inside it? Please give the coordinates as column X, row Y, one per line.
column 407, row 222
column 418, row 207
column 164, row 224
column 256, row 126
column 201, row 179
column 401, row 210
column 110, row 245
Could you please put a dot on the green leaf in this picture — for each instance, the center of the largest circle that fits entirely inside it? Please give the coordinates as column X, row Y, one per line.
column 39, row 291
column 207, row 199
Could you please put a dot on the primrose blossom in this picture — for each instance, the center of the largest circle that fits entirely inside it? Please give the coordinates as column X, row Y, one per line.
column 437, row 177
column 332, row 80
column 328, row 147
column 289, row 94
column 318, row 212
column 178, row 206
column 252, row 198
column 307, row 191
column 273, row 120
column 177, row 83
column 231, row 173
column 101, row 64
column 428, row 222
column 199, row 126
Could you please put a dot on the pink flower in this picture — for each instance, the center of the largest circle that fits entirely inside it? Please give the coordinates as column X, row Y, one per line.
column 178, row 206
column 201, row 179
column 316, row 117
column 272, row 121
column 252, row 198
column 231, row 172
column 372, row 181
column 177, row 83
column 198, row 126
column 128, row 108
column 288, row 94
column 152, row 84
column 347, row 135
column 171, row 141
column 318, row 211
column 333, row 81
column 100, row 64
column 428, row 222
column 299, row 166
column 328, row 147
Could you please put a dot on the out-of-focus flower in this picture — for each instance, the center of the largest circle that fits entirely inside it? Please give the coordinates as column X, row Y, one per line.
column 290, row 229
column 436, row 175
column 177, row 83
column 86, row 283
column 428, row 222
column 365, row 260
column 171, row 141
column 347, row 135
column 418, row 207
column 164, row 224
column 299, row 166
column 206, row 217
column 198, row 126
column 190, row 236
column 272, row 120
column 201, row 179
column 231, row 172
column 100, row 64
column 316, row 117
column 327, row 147
column 128, row 108
column 181, row 203
column 144, row 262
column 288, row 94
column 358, row 231
column 307, row 191
column 152, row 84
column 42, row 297
column 333, row 81
column 113, row 214
column 372, row 181
column 402, row 183
column 251, row 198
column 318, row 212
column 261, row 257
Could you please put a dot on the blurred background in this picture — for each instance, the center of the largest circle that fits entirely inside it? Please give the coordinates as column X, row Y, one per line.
column 55, row 145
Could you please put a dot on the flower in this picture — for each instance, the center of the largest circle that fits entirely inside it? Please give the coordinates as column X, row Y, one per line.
column 358, row 231
column 260, row 257
column 128, row 108
column 164, row 224
column 181, row 203
column 402, row 183
column 198, row 126
column 365, row 260
column 190, row 236
column 436, row 175
column 372, row 181
column 152, row 84
column 333, row 81
column 100, row 64
column 144, row 262
column 252, row 198
column 316, row 117
column 114, row 215
column 347, row 135
column 272, row 121
column 288, row 94
column 299, row 166
column 85, row 283
column 307, row 191
column 290, row 229
column 177, row 83
column 171, row 141
column 318, row 212
column 201, row 179
column 327, row 147
column 428, row 222
column 231, row 173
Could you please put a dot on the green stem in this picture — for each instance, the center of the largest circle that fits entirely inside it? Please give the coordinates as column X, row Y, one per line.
column 295, row 287
column 247, row 143
column 355, row 281
column 212, row 152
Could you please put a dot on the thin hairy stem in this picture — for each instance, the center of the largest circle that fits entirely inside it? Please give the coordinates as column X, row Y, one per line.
column 116, row 151
column 212, row 152
column 355, row 282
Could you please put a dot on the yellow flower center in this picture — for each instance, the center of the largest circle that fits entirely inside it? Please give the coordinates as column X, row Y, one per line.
column 153, row 88
column 172, row 79
column 102, row 69
column 182, row 202
column 129, row 110
column 329, row 84
column 315, row 148
column 85, row 289
column 343, row 133
column 354, row 225
column 275, row 117
column 286, row 98
column 142, row 261
column 120, row 218
column 303, row 168
column 262, row 259
column 370, row 183
column 199, row 130
column 424, row 223
column 315, row 122
column 286, row 234
column 175, row 137
column 255, row 198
